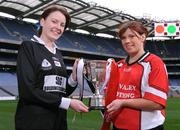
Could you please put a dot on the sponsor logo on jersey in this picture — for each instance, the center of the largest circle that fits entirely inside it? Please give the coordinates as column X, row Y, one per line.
column 46, row 65
column 54, row 83
column 120, row 65
column 56, row 62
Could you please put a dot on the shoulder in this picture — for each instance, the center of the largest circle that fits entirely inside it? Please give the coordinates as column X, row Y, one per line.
column 26, row 44
column 155, row 61
column 29, row 44
column 154, row 58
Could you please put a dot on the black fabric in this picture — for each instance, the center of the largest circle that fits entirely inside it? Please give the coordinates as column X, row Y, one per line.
column 160, row 127
column 114, row 128
column 37, row 109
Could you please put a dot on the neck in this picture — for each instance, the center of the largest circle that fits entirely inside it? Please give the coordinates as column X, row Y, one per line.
column 135, row 57
column 47, row 42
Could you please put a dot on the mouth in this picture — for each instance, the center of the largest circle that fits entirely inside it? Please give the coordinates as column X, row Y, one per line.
column 129, row 46
column 57, row 32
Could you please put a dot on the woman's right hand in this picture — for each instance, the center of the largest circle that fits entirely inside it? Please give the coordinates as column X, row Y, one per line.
column 78, row 106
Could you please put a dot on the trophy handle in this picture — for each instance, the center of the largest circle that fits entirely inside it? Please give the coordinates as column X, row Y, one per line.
column 91, row 86
column 82, row 64
column 80, row 77
column 88, row 79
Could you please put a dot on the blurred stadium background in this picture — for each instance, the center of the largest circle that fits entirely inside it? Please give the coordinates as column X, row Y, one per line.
column 88, row 18
column 94, row 21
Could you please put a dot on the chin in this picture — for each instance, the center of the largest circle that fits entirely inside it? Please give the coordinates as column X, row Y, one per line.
column 131, row 52
column 55, row 38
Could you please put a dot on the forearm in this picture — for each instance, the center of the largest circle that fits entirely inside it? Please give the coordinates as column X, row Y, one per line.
column 141, row 104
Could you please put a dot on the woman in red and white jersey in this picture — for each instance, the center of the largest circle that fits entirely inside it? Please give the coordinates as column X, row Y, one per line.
column 141, row 88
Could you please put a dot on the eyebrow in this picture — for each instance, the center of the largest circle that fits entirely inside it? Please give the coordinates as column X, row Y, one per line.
column 136, row 33
column 64, row 22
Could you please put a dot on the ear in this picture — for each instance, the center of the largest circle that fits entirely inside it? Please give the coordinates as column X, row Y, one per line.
column 143, row 36
column 42, row 22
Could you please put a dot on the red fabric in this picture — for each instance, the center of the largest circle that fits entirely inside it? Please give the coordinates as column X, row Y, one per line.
column 110, row 92
column 147, row 78
column 106, row 125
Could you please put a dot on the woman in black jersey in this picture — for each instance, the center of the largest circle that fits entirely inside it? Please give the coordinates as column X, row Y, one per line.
column 42, row 77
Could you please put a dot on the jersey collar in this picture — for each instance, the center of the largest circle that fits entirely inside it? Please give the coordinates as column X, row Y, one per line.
column 138, row 60
column 40, row 41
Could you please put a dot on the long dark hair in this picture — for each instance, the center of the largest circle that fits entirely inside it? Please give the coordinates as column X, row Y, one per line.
column 51, row 9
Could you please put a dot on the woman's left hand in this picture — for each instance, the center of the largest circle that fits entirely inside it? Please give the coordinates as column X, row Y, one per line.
column 74, row 70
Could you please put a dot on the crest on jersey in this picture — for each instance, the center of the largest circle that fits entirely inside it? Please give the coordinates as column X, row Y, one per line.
column 46, row 65
column 120, row 65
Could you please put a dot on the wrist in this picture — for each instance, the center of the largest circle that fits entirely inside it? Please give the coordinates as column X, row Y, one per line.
column 124, row 102
column 65, row 103
column 74, row 77
column 71, row 81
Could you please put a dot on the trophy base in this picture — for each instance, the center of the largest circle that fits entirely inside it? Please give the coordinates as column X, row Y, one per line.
column 97, row 108
column 97, row 102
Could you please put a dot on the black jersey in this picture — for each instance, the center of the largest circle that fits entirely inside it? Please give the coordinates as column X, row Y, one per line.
column 42, row 82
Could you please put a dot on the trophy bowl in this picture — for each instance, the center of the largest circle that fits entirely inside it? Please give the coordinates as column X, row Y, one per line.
column 95, row 72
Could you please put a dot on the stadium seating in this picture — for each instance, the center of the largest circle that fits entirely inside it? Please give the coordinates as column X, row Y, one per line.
column 5, row 34
column 75, row 45
column 8, row 84
column 20, row 29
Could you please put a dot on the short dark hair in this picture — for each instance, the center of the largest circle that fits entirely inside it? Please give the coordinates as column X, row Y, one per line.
column 133, row 25
column 54, row 8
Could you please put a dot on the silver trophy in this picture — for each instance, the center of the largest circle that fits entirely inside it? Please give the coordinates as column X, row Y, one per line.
column 94, row 72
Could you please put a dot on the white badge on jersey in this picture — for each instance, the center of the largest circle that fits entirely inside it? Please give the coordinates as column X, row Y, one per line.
column 57, row 63
column 45, row 64
column 54, row 83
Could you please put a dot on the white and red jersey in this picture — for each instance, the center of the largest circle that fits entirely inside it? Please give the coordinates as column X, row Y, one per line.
column 146, row 78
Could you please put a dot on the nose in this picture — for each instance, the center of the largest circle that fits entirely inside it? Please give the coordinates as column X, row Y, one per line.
column 126, row 40
column 58, row 26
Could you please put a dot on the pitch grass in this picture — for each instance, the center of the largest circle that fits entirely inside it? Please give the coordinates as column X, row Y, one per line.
column 87, row 121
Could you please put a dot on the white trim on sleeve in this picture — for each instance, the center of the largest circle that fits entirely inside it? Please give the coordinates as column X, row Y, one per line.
column 71, row 81
column 65, row 103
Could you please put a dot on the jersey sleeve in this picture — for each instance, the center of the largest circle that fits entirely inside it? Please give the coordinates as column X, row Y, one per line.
column 110, row 90
column 157, row 90
column 27, row 81
column 111, row 87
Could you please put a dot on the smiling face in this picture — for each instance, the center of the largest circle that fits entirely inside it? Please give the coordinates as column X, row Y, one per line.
column 53, row 26
column 133, row 36
column 133, row 42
